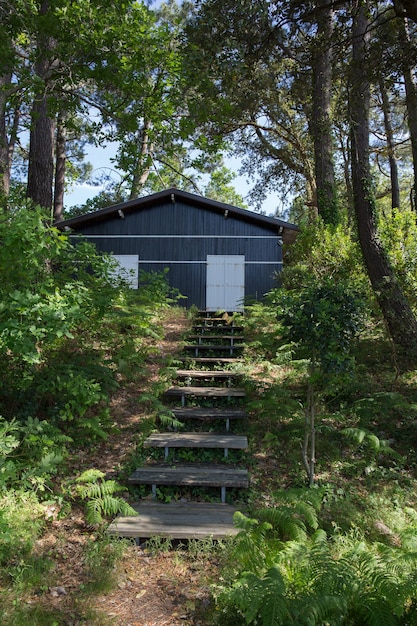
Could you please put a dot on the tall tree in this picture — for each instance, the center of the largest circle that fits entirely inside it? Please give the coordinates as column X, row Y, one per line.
column 408, row 66
column 42, row 128
column 400, row 320
column 389, row 132
column 321, row 123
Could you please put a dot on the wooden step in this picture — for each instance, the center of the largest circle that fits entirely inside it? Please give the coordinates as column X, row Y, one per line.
column 177, row 520
column 206, row 374
column 212, row 475
column 209, row 336
column 209, row 414
column 221, row 392
column 196, row 440
column 205, row 392
column 210, row 360
column 207, row 329
column 215, row 348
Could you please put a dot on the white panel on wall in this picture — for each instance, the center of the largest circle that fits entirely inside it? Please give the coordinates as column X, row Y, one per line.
column 129, row 268
column 225, row 286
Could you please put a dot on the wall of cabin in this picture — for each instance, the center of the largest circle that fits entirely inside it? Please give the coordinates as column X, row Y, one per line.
column 179, row 235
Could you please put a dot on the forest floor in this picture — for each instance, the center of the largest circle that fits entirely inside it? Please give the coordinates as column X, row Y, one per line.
column 149, row 587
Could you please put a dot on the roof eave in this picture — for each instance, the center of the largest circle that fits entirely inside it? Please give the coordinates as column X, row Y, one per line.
column 131, row 205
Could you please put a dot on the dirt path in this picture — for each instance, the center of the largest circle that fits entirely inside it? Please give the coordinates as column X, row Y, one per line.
column 152, row 588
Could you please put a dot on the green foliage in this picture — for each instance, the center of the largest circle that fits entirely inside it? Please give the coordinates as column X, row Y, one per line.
column 100, row 497
column 65, row 330
column 323, row 320
column 314, row 580
column 21, row 520
column 323, row 252
column 398, row 232
column 30, row 453
column 101, row 558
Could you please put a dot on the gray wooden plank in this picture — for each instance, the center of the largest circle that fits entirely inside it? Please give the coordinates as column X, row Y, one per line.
column 209, row 360
column 225, row 392
column 196, row 440
column 203, row 346
column 213, row 327
column 190, row 475
column 217, row 337
column 177, row 520
column 209, row 413
column 206, row 374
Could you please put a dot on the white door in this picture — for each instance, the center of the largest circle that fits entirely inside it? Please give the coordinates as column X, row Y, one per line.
column 225, row 287
column 128, row 268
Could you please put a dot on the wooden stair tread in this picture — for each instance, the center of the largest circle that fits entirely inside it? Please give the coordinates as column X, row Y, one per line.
column 190, row 475
column 225, row 325
column 206, row 374
column 209, row 359
column 177, row 520
column 209, row 346
column 196, row 440
column 219, row 337
column 226, row 392
column 208, row 413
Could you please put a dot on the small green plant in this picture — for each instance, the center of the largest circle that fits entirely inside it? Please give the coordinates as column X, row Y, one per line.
column 21, row 521
column 100, row 497
column 322, row 320
column 159, row 545
column 101, row 557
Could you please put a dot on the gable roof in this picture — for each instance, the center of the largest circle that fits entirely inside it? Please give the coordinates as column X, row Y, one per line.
column 280, row 227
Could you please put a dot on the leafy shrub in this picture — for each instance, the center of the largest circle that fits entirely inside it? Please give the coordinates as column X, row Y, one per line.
column 21, row 520
column 398, row 232
column 30, row 453
column 323, row 252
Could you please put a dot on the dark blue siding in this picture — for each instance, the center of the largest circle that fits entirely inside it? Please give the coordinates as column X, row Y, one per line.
column 180, row 236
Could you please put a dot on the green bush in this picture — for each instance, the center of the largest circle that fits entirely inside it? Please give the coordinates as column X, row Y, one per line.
column 21, row 521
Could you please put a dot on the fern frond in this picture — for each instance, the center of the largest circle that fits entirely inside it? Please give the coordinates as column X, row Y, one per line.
column 285, row 522
column 107, row 506
column 168, row 420
column 263, row 597
column 90, row 476
column 355, row 434
column 93, row 512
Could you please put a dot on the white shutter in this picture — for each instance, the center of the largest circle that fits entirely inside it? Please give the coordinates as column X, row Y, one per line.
column 225, row 287
column 128, row 268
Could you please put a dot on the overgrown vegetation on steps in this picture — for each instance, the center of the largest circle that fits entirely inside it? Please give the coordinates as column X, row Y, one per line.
column 340, row 552
column 71, row 335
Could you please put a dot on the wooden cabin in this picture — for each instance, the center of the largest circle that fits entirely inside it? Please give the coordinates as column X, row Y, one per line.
column 218, row 255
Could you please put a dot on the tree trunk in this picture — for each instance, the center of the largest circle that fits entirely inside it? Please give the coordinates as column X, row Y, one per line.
column 321, row 125
column 393, row 167
column 41, row 149
column 143, row 168
column 4, row 143
column 60, row 164
column 410, row 98
column 399, row 317
column 41, row 161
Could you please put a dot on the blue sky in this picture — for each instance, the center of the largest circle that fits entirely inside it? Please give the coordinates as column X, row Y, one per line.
column 100, row 158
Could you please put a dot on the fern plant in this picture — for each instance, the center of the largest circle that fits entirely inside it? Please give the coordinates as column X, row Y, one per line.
column 100, row 498
column 314, row 580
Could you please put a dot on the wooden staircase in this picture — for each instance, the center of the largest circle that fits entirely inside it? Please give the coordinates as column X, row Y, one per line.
column 188, row 519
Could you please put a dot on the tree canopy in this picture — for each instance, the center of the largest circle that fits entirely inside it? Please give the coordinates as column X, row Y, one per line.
column 317, row 100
